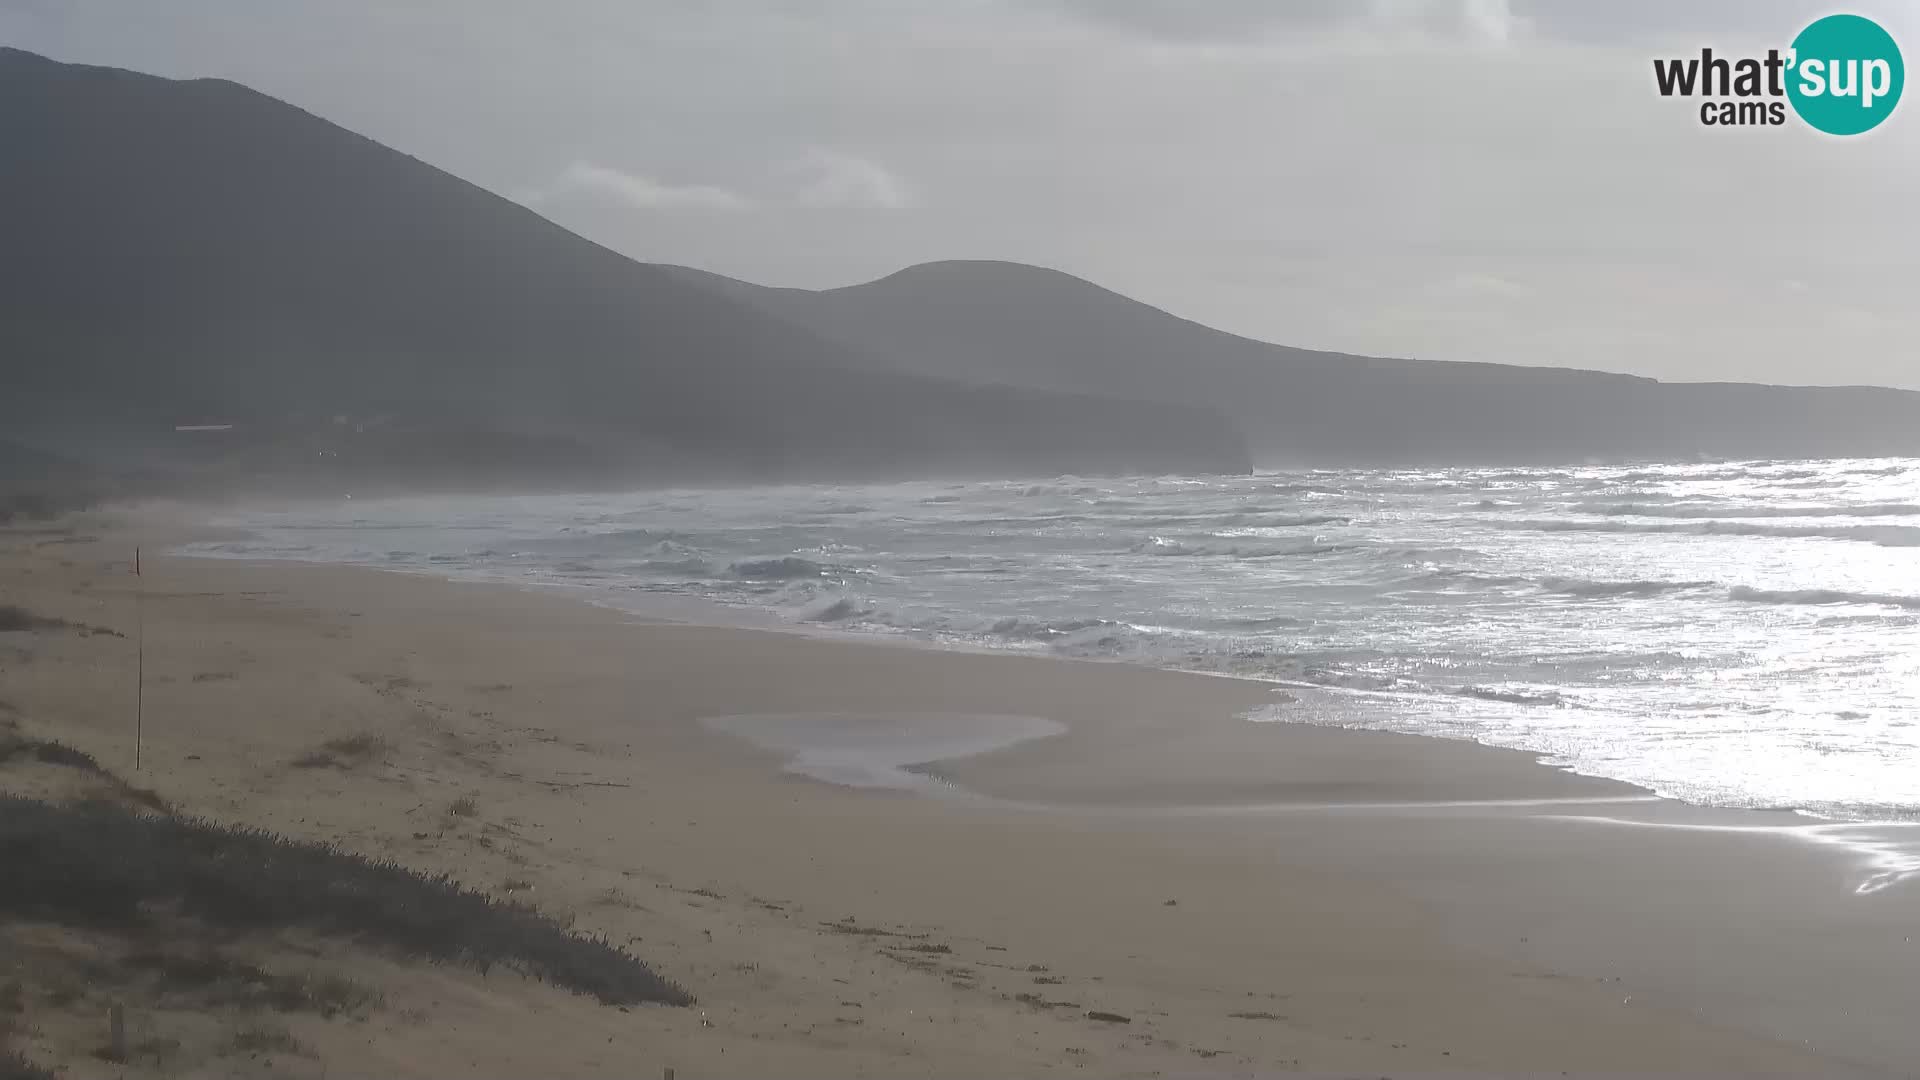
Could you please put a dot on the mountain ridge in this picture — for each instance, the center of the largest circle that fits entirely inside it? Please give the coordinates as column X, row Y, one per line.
column 182, row 251
column 1014, row 323
column 917, row 269
column 189, row 251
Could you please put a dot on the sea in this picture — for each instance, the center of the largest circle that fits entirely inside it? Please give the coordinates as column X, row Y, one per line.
column 1730, row 634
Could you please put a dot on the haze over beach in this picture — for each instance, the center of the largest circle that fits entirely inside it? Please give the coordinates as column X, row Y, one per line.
column 1002, row 538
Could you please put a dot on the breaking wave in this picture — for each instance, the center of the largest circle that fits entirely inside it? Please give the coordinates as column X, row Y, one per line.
column 1583, row 587
column 1509, row 695
column 1171, row 548
column 1304, row 489
column 693, row 567
column 1251, row 517
column 1017, row 628
column 833, row 609
column 1694, row 510
column 1883, row 535
column 782, row 569
column 1820, row 596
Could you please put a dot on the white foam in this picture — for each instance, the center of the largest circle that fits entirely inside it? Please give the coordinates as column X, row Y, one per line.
column 1688, row 650
column 880, row 750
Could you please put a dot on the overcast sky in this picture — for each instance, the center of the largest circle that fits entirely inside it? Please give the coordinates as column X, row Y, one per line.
column 1455, row 179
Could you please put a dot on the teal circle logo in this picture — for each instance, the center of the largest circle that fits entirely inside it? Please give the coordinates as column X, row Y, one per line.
column 1845, row 75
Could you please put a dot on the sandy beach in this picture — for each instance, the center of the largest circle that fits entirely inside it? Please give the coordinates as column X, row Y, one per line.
column 1153, row 885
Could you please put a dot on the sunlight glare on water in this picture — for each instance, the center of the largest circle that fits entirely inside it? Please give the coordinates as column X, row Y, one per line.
column 1736, row 634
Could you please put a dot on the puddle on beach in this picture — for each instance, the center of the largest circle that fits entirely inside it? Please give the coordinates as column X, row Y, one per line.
column 888, row 750
column 1886, row 853
column 880, row 750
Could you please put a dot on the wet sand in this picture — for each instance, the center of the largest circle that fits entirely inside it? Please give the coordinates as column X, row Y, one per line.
column 1249, row 896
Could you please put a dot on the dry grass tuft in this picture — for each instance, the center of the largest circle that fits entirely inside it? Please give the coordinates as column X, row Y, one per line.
column 346, row 752
column 266, row 1039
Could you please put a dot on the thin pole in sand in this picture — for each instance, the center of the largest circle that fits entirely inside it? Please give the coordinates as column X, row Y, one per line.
column 139, row 658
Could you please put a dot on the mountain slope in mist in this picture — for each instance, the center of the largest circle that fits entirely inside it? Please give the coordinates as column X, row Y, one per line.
column 1022, row 325
column 194, row 252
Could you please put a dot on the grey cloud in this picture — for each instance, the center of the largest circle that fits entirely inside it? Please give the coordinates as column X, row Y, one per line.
column 1248, row 21
column 1586, row 21
column 1210, row 21
column 830, row 178
column 1648, row 21
column 632, row 190
column 819, row 177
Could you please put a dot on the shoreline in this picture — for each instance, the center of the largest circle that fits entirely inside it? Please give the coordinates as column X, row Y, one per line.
column 701, row 612
column 1712, row 724
column 688, row 612
column 1410, row 902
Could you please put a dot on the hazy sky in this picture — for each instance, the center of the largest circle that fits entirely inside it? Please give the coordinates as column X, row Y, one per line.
column 1456, row 179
